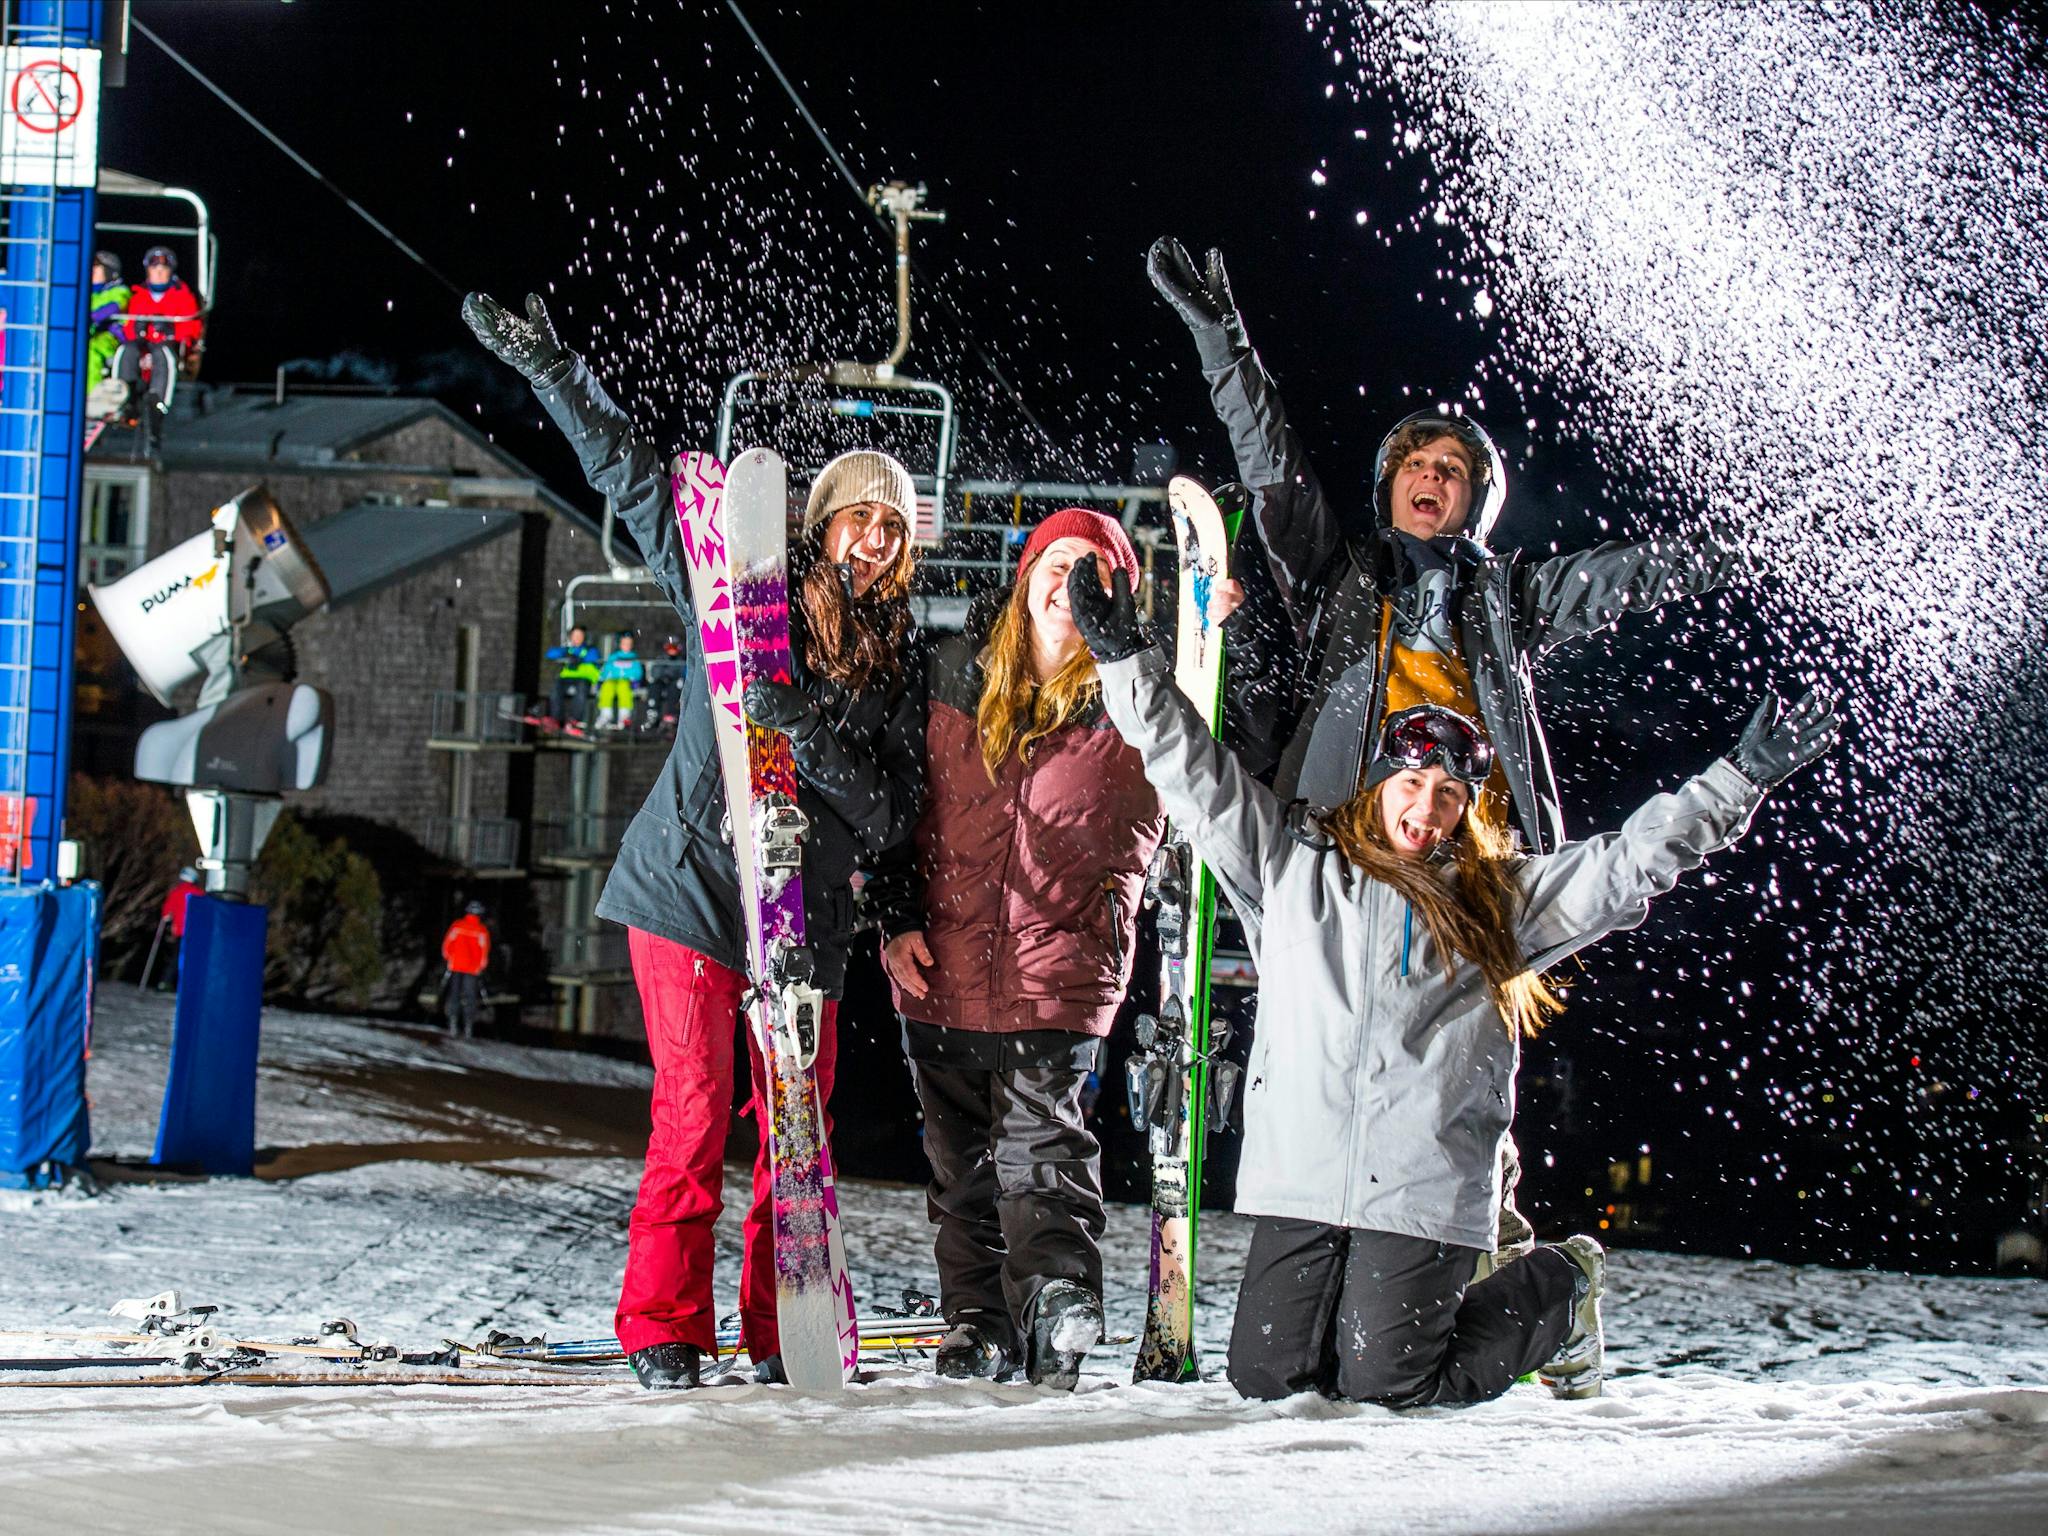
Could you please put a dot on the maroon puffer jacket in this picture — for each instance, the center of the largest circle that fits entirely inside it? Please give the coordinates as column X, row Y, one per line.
column 1027, row 889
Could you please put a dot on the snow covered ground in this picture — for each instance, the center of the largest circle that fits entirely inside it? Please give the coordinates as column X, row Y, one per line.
column 431, row 1189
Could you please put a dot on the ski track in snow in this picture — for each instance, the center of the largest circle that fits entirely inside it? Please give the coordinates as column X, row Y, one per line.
column 1748, row 1395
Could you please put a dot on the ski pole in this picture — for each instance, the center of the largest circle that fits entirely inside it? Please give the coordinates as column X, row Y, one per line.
column 149, row 965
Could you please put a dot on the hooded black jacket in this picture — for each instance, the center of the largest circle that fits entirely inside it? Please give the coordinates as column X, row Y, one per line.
column 1505, row 613
column 861, row 772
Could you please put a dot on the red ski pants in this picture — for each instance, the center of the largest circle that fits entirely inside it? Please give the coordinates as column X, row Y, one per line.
column 691, row 1005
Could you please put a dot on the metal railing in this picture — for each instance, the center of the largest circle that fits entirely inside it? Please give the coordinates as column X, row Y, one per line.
column 101, row 564
column 739, row 392
column 596, row 950
column 475, row 842
column 483, row 718
column 593, row 836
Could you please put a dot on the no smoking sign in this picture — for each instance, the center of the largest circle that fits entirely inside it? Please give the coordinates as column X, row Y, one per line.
column 49, row 129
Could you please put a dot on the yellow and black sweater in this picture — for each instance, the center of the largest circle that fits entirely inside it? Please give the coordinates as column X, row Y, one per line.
column 1422, row 665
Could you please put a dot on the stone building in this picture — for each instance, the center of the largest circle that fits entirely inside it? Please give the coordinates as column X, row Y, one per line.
column 450, row 564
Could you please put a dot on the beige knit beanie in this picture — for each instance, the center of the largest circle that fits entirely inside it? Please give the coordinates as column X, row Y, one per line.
column 862, row 475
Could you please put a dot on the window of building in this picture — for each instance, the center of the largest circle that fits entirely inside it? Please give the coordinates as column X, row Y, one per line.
column 114, row 536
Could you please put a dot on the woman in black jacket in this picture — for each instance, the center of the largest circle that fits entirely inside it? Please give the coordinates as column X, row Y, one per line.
column 855, row 720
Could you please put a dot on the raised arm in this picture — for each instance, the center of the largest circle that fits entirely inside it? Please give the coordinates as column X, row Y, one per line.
column 1605, row 884
column 1572, row 596
column 615, row 462
column 1236, row 824
column 1296, row 524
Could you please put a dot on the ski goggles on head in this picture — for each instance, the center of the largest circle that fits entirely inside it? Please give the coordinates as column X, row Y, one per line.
column 1430, row 736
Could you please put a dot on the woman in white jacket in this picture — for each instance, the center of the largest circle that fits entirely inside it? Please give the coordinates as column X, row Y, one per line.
column 1401, row 946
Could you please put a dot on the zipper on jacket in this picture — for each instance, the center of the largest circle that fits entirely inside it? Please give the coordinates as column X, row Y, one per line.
column 999, row 950
column 1116, row 924
column 1407, row 938
column 1378, row 700
column 1372, row 930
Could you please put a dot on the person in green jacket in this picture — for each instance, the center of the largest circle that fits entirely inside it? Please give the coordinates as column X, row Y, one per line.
column 576, row 685
column 107, row 328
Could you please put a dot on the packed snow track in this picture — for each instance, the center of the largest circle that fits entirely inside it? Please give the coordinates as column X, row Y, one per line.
column 430, row 1189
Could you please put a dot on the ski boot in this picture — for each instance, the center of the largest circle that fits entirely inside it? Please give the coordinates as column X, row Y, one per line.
column 769, row 1372
column 1577, row 1370
column 662, row 1367
column 977, row 1348
column 1066, row 1322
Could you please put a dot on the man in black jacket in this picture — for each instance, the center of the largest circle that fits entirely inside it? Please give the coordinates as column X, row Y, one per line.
column 855, row 721
column 1338, row 582
column 1410, row 605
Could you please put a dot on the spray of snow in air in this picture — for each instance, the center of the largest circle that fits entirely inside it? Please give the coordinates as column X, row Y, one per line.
column 722, row 240
column 1786, row 264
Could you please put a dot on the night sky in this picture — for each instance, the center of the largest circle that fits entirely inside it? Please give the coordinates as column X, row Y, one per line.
column 1051, row 141
column 508, row 145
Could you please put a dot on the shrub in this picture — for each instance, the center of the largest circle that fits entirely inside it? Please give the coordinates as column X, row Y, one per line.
column 135, row 837
column 326, row 912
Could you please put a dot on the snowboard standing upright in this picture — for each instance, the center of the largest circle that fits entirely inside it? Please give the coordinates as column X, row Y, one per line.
column 734, row 533
column 1169, row 1075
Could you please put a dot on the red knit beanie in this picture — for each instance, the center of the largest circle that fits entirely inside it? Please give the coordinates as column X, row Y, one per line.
column 1099, row 529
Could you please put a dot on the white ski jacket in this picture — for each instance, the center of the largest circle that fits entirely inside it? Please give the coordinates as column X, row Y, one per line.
column 1377, row 1094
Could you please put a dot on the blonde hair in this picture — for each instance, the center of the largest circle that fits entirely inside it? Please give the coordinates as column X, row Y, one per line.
column 1470, row 918
column 1016, row 710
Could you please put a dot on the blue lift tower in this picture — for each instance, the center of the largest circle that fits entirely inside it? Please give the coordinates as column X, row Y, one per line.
column 49, row 162
column 50, row 67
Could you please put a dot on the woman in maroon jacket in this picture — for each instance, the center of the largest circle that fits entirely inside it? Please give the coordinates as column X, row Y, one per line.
column 1009, row 933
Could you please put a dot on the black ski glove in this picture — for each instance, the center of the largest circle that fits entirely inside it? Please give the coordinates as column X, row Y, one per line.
column 851, row 783
column 1201, row 299
column 1108, row 621
column 1776, row 745
column 527, row 342
column 780, row 706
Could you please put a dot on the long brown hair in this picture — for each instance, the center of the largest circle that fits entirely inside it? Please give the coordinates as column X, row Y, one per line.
column 1016, row 710
column 1470, row 918
column 856, row 642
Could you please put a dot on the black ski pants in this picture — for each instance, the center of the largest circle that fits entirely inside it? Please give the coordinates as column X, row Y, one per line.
column 163, row 367
column 1016, row 1190
column 1381, row 1317
column 569, row 700
column 464, row 1001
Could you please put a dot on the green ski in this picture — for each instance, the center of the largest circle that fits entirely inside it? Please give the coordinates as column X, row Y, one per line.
column 1168, row 1075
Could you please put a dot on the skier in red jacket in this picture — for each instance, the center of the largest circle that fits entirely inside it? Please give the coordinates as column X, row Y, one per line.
column 164, row 326
column 466, row 946
column 180, row 895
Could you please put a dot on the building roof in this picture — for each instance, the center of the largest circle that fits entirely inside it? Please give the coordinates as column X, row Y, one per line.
column 367, row 547
column 220, row 429
column 299, row 430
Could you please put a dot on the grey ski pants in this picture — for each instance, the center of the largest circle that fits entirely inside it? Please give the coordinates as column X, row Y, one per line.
column 1016, row 1190
column 1381, row 1317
